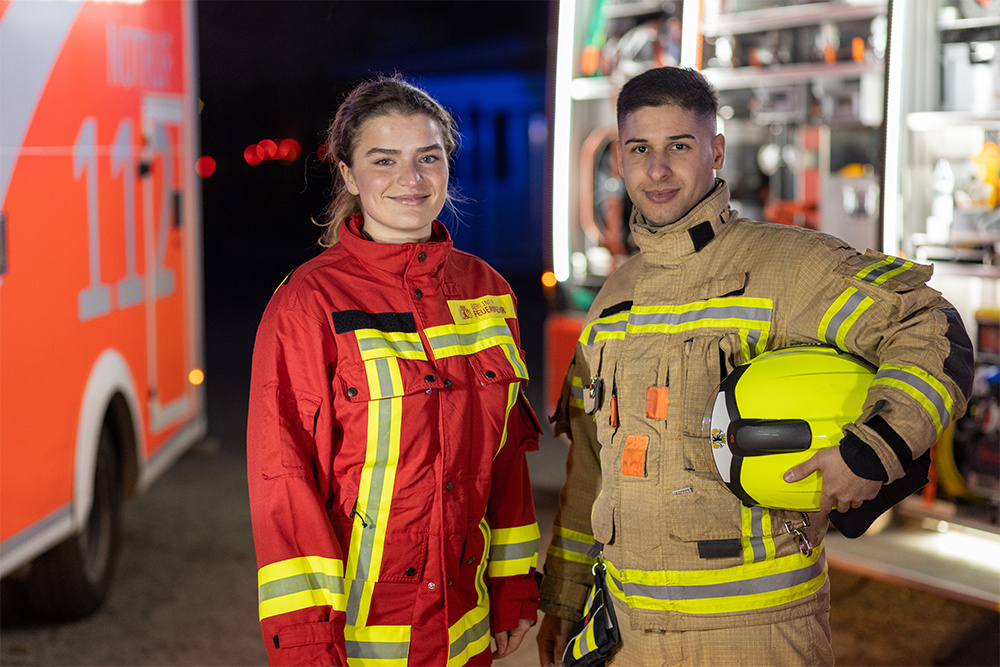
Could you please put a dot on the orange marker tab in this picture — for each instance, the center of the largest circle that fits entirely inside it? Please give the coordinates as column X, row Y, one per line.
column 634, row 456
column 613, row 418
column 657, row 402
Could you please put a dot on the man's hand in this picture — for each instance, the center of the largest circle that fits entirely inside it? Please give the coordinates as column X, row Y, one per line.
column 508, row 641
column 842, row 489
column 553, row 634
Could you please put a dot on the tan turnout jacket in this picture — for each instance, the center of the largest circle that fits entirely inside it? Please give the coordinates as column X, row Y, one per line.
column 704, row 295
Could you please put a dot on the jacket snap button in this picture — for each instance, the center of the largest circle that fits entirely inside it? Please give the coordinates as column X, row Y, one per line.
column 447, row 383
column 422, row 256
column 429, row 378
column 448, row 486
column 490, row 374
column 431, row 585
column 351, row 391
column 417, row 293
column 472, row 559
column 410, row 571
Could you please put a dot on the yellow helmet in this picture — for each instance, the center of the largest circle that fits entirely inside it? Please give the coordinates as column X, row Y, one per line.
column 775, row 412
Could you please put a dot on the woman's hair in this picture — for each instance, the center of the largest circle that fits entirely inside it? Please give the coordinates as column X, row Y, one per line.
column 373, row 98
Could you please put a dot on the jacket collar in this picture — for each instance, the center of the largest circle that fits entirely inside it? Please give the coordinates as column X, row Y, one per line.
column 401, row 262
column 690, row 234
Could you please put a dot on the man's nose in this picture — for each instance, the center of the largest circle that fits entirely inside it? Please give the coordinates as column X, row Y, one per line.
column 659, row 167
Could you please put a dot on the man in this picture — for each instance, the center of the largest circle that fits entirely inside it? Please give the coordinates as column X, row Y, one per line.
column 697, row 578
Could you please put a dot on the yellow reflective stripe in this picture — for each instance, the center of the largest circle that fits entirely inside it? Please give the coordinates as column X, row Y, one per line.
column 452, row 340
column 513, row 551
column 841, row 316
column 740, row 588
column 513, row 391
column 377, row 645
column 300, row 583
column 881, row 271
column 471, row 634
column 576, row 392
column 611, row 327
column 922, row 387
column 750, row 315
column 375, row 344
column 757, row 542
column 571, row 545
column 378, row 476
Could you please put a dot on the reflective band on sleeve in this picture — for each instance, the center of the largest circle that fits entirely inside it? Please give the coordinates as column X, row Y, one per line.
column 375, row 344
column 881, row 271
column 300, row 583
column 576, row 392
column 470, row 636
column 741, row 588
column 571, row 545
column 922, row 387
column 377, row 646
column 758, row 544
column 841, row 316
column 750, row 315
column 513, row 551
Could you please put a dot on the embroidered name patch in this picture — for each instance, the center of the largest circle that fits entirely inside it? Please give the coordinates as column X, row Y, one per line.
column 487, row 307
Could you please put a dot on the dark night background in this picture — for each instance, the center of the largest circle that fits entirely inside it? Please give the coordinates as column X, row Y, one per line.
column 278, row 69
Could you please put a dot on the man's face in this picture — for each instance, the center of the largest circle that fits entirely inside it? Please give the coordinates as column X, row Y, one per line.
column 668, row 157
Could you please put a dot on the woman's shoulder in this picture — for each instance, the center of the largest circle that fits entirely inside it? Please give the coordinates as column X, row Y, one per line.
column 466, row 267
column 306, row 287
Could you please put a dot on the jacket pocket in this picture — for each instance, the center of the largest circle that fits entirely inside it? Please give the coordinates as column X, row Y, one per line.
column 708, row 359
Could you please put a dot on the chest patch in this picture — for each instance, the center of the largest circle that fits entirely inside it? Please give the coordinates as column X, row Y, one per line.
column 489, row 307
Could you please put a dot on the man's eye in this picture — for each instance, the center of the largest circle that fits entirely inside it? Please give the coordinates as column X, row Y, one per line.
column 680, row 147
column 640, row 149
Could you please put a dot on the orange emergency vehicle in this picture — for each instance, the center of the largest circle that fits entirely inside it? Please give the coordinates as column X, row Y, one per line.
column 100, row 281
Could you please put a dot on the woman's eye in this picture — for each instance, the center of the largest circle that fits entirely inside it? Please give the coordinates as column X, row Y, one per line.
column 384, row 162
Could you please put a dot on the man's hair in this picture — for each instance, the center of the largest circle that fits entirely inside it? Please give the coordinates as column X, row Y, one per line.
column 678, row 86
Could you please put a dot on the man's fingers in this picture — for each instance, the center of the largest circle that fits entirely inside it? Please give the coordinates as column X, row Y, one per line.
column 801, row 471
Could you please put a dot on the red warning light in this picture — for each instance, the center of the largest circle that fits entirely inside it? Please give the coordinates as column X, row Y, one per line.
column 269, row 148
column 288, row 149
column 204, row 166
column 252, row 155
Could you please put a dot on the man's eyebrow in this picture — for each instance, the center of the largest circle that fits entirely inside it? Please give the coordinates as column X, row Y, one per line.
column 675, row 137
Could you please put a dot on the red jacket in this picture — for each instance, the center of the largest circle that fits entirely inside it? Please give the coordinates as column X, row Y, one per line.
column 389, row 493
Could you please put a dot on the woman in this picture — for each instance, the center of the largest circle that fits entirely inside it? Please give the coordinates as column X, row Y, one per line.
column 389, row 492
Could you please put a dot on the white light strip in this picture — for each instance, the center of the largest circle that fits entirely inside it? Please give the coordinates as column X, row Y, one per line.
column 893, row 129
column 561, row 141
column 690, row 14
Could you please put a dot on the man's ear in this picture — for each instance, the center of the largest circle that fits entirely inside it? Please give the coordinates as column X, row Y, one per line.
column 718, row 151
column 348, row 177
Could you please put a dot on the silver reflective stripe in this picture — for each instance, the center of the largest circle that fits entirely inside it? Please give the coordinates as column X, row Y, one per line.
column 755, row 586
column 379, row 343
column 576, row 546
column 32, row 35
column 877, row 273
column 377, row 650
column 757, row 534
column 606, row 327
column 920, row 386
column 300, row 582
column 709, row 313
column 469, row 636
column 515, row 360
column 468, row 339
column 846, row 310
column 514, row 551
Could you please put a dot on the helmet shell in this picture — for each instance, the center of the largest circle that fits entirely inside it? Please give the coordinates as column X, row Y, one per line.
column 777, row 411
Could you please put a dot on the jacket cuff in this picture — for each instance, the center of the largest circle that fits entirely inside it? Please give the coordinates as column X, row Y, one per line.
column 563, row 598
column 862, row 459
column 512, row 600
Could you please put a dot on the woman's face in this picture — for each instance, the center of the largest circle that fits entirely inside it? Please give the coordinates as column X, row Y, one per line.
column 400, row 173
